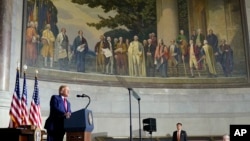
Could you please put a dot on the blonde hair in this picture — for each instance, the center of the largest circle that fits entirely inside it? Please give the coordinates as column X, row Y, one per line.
column 61, row 88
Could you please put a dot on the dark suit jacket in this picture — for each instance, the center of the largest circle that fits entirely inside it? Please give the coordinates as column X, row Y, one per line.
column 150, row 49
column 55, row 121
column 78, row 41
column 183, row 136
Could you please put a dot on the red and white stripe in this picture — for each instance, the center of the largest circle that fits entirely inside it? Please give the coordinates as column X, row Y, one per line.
column 15, row 111
column 35, row 115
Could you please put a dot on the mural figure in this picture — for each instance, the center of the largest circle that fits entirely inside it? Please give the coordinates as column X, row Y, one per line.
column 173, row 59
column 226, row 58
column 192, row 51
column 136, row 58
column 198, row 41
column 62, row 50
column 212, row 40
column 48, row 40
column 183, row 44
column 102, row 56
column 161, row 57
column 110, row 64
column 208, row 56
column 149, row 51
column 31, row 44
column 80, row 49
column 120, row 57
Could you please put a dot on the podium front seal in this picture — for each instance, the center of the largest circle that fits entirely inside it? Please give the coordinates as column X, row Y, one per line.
column 37, row 135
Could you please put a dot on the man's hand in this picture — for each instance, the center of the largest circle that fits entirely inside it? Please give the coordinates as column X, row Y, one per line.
column 67, row 115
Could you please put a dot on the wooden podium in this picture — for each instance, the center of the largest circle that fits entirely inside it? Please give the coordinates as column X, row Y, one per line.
column 79, row 126
column 18, row 134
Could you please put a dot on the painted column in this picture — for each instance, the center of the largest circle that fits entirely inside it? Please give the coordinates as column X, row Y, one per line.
column 167, row 20
column 5, row 42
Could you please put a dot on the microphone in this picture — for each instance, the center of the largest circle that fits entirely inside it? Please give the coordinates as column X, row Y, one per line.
column 82, row 95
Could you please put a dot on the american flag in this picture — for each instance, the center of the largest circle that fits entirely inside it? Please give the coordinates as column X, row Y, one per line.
column 15, row 108
column 24, row 109
column 35, row 111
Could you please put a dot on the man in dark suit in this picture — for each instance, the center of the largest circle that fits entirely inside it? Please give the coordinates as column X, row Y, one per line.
column 80, row 49
column 149, row 51
column 59, row 110
column 179, row 134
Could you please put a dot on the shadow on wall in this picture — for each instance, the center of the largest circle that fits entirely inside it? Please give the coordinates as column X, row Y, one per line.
column 143, row 133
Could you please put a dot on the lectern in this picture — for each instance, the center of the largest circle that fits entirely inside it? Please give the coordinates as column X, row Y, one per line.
column 79, row 126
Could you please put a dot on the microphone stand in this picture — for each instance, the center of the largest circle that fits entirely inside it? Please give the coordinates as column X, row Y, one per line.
column 137, row 97
column 130, row 115
column 88, row 102
column 82, row 96
column 139, row 107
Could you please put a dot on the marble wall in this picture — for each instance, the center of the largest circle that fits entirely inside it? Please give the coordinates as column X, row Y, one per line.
column 202, row 111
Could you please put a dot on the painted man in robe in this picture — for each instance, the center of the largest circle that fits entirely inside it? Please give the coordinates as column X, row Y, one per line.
column 136, row 58
column 208, row 56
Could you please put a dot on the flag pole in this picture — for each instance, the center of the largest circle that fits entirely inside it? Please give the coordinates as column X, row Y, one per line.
column 35, row 111
column 36, row 73
column 15, row 112
column 24, row 99
column 18, row 65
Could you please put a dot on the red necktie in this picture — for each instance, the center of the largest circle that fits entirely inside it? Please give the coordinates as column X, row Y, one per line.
column 65, row 104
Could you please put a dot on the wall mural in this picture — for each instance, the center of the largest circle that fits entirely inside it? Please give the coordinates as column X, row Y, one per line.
column 115, row 43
